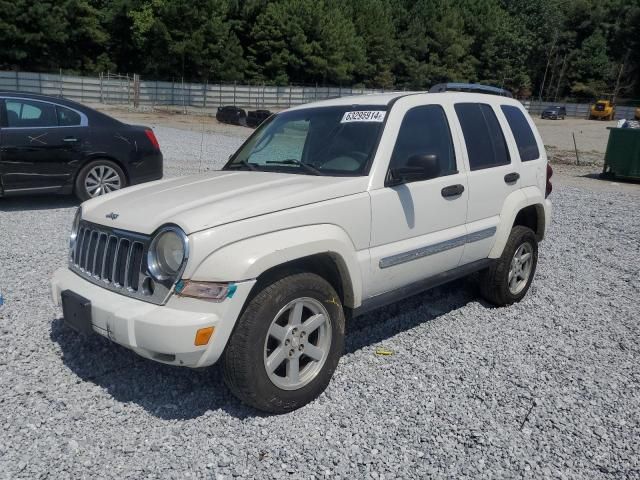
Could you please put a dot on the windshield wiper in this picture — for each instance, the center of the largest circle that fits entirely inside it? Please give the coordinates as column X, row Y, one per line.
column 293, row 161
column 244, row 163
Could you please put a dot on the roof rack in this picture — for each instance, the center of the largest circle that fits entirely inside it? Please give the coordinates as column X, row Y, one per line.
column 470, row 87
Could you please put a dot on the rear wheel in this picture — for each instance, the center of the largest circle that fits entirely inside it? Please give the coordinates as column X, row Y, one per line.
column 286, row 345
column 99, row 178
column 509, row 278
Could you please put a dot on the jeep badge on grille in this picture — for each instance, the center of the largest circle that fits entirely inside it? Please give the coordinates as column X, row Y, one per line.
column 112, row 215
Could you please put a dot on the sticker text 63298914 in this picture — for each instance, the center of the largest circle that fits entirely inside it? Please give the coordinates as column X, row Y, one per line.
column 364, row 116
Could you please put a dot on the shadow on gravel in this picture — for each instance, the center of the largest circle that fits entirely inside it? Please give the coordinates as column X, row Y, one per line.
column 388, row 321
column 176, row 393
column 165, row 391
column 44, row 202
column 611, row 178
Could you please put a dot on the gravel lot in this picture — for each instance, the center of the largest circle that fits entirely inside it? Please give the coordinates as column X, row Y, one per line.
column 546, row 388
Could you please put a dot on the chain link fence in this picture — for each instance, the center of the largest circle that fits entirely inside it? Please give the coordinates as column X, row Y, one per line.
column 130, row 90
column 114, row 89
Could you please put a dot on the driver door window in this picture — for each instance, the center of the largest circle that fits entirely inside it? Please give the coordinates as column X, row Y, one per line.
column 425, row 131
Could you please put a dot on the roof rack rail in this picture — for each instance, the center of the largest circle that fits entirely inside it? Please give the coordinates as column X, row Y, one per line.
column 470, row 87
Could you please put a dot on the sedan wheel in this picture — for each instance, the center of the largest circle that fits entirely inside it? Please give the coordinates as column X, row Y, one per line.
column 99, row 178
column 102, row 179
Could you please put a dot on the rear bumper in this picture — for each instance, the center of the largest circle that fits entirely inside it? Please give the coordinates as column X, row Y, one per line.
column 164, row 333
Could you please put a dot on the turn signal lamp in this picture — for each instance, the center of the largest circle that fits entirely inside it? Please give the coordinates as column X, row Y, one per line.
column 203, row 336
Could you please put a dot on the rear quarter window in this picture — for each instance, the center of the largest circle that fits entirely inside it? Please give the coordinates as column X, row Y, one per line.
column 525, row 139
column 67, row 117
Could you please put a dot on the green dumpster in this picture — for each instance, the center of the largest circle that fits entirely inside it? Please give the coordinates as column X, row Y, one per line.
column 623, row 153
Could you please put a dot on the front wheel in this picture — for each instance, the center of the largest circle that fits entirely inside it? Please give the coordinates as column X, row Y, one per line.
column 286, row 345
column 509, row 278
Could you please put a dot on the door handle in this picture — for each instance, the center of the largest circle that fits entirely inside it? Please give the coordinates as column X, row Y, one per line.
column 452, row 191
column 511, row 177
column 70, row 139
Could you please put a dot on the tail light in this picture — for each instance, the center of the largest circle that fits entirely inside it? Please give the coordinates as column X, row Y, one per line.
column 152, row 138
column 549, row 186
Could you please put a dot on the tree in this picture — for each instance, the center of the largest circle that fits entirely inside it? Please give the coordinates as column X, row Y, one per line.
column 45, row 36
column 304, row 41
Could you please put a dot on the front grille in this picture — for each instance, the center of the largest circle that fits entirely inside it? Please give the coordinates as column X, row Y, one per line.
column 116, row 260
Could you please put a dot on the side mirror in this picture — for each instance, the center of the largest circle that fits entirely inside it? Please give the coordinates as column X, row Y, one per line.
column 418, row 167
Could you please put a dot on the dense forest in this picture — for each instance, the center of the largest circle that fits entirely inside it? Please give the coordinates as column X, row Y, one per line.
column 557, row 48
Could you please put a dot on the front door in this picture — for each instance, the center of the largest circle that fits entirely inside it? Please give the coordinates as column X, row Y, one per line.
column 418, row 228
column 40, row 145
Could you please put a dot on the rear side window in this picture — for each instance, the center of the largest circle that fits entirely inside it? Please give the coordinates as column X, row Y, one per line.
column 483, row 136
column 30, row 113
column 67, row 117
column 526, row 141
column 425, row 131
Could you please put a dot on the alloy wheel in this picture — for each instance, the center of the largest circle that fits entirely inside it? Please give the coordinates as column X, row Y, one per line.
column 520, row 268
column 297, row 343
column 102, row 179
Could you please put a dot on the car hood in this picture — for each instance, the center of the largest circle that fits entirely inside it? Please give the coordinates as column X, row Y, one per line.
column 199, row 202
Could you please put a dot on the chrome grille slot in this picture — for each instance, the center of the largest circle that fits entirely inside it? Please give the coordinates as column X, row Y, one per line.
column 107, row 268
column 99, row 257
column 120, row 265
column 115, row 260
column 135, row 265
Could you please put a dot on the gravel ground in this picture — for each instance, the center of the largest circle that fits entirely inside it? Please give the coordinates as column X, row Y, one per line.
column 546, row 388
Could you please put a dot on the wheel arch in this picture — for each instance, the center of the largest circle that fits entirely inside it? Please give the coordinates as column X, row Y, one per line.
column 102, row 156
column 526, row 207
column 322, row 249
column 328, row 265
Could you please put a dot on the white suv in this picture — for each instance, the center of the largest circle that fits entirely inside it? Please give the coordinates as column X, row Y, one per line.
column 327, row 211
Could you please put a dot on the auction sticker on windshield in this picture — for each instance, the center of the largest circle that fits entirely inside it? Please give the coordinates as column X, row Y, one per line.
column 364, row 116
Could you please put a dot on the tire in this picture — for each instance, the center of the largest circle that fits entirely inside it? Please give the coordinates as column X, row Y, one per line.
column 113, row 176
column 495, row 285
column 257, row 371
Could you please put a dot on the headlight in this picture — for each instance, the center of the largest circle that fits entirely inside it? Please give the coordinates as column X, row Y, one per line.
column 168, row 253
column 74, row 228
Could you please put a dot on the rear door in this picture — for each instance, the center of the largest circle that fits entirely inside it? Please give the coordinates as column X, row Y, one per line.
column 530, row 149
column 493, row 174
column 41, row 145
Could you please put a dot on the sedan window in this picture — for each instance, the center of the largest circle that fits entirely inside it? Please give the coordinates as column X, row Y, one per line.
column 67, row 117
column 30, row 113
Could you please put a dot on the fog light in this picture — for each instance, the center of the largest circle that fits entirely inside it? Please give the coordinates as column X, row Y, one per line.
column 203, row 336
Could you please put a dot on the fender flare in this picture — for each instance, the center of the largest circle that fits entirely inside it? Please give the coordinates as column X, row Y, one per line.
column 248, row 258
column 515, row 202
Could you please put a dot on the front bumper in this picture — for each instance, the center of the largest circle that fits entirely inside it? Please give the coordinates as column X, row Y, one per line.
column 164, row 333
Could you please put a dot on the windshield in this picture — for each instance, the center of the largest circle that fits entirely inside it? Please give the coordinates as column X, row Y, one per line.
column 314, row 141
